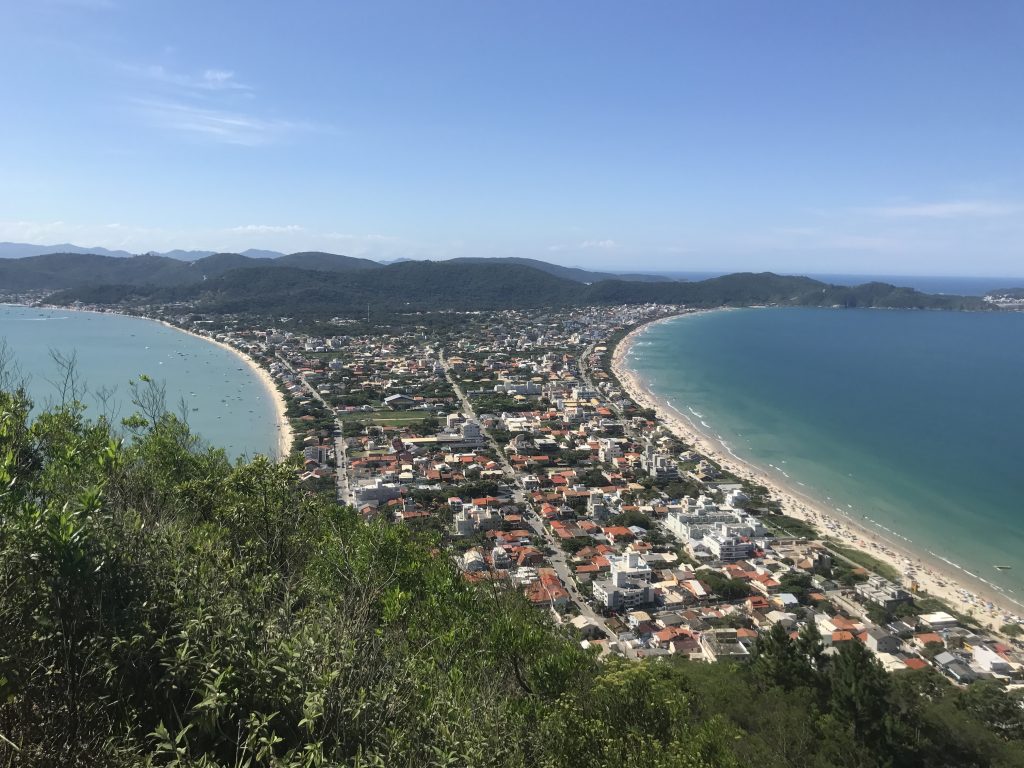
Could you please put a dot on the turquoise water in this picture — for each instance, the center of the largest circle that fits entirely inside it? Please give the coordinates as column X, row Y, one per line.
column 909, row 422
column 225, row 402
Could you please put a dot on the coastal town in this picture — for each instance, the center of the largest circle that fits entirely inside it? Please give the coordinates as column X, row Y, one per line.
column 523, row 443
column 502, row 385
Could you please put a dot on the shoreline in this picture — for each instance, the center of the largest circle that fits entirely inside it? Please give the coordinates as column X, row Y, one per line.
column 285, row 434
column 933, row 573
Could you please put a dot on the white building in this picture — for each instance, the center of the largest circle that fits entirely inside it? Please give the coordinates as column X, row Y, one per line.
column 883, row 592
column 377, row 492
column 500, row 559
column 597, row 508
column 608, row 449
column 695, row 519
column 726, row 547
column 471, row 518
column 628, row 584
column 473, row 561
column 990, row 661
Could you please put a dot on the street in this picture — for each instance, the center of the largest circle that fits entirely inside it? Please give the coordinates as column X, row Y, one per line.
column 521, row 499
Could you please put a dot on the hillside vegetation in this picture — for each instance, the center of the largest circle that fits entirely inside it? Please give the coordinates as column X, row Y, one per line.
column 569, row 273
column 163, row 606
column 61, row 271
column 315, row 284
column 417, row 286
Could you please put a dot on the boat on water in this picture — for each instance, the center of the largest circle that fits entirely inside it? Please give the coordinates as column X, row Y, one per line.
column 1002, row 567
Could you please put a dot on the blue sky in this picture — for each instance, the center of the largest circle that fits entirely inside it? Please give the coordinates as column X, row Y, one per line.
column 871, row 137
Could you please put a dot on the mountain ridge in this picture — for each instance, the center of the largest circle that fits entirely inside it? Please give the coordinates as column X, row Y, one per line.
column 231, row 284
column 9, row 250
column 318, row 260
column 577, row 274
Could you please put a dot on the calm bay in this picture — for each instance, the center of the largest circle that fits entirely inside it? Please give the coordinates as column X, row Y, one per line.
column 907, row 422
column 223, row 400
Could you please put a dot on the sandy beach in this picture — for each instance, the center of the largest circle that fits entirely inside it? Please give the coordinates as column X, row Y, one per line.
column 930, row 573
column 285, row 436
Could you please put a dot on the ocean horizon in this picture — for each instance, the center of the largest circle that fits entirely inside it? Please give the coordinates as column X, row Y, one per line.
column 906, row 423
column 219, row 395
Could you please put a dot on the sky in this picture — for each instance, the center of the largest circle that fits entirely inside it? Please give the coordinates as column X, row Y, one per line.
column 877, row 137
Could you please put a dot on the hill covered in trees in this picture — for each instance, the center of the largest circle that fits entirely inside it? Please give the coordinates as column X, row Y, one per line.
column 74, row 269
column 163, row 606
column 62, row 271
column 416, row 286
column 314, row 284
column 569, row 273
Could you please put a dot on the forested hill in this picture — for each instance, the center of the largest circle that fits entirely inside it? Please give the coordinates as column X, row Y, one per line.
column 308, row 284
column 747, row 288
column 162, row 606
column 56, row 271
column 569, row 273
column 426, row 286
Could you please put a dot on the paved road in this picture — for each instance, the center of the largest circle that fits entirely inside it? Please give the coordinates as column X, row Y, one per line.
column 558, row 560
column 467, row 408
column 345, row 495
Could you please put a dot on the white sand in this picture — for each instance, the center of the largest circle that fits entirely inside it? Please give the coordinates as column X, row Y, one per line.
column 285, row 435
column 930, row 575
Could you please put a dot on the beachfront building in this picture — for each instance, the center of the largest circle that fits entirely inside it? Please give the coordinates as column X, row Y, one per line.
column 938, row 620
column 658, row 464
column 884, row 593
column 725, row 533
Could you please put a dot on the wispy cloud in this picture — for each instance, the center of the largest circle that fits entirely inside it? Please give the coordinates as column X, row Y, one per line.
column 282, row 237
column 212, row 104
column 207, row 80
column 585, row 245
column 112, row 235
column 224, row 126
column 216, row 79
column 953, row 209
column 263, row 229
column 31, row 231
column 371, row 238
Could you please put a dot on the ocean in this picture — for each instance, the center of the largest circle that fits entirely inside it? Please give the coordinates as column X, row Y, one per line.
column 908, row 422
column 223, row 400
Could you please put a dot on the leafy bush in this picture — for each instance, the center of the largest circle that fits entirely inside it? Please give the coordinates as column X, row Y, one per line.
column 164, row 606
